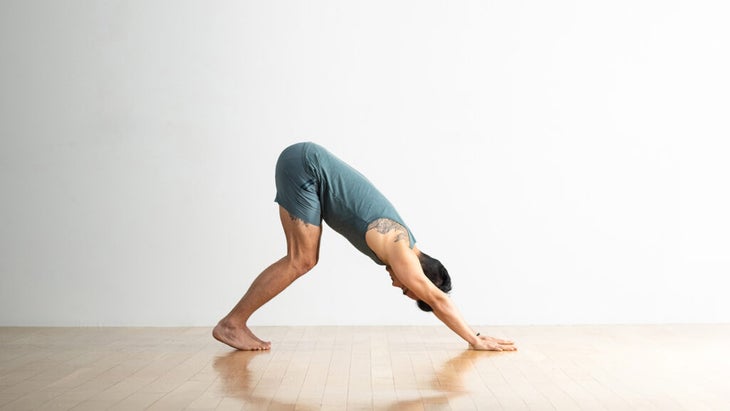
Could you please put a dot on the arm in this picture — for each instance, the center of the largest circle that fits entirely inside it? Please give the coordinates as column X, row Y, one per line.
column 386, row 242
column 408, row 270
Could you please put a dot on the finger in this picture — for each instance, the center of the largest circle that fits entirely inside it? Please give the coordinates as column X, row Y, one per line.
column 498, row 341
column 509, row 348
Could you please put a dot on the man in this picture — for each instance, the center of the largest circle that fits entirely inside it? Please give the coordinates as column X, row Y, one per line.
column 312, row 185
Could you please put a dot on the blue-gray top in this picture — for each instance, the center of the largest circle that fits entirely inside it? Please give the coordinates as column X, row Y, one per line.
column 348, row 201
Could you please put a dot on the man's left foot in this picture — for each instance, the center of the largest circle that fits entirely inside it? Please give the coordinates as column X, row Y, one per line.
column 239, row 338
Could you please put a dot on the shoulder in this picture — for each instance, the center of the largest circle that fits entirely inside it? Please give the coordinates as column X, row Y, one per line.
column 387, row 238
column 387, row 227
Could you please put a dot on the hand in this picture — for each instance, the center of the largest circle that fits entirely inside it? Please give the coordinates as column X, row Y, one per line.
column 487, row 343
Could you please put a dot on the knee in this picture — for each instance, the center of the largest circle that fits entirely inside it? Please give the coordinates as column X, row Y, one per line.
column 302, row 264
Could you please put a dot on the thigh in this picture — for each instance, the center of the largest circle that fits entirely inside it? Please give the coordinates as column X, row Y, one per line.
column 302, row 238
column 296, row 189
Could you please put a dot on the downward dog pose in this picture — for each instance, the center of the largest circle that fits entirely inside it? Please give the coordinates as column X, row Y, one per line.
column 312, row 184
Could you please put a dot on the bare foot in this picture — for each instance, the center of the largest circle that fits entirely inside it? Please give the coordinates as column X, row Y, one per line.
column 239, row 338
column 251, row 334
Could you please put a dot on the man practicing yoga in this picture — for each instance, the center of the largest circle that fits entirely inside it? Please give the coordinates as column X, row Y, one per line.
column 311, row 185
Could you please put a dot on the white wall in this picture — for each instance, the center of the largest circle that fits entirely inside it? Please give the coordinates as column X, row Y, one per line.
column 567, row 161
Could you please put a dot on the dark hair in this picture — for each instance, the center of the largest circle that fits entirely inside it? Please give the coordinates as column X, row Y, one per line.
column 436, row 272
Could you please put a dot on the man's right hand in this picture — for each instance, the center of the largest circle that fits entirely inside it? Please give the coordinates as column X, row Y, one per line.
column 487, row 343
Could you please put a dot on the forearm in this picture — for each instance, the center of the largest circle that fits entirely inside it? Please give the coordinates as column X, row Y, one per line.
column 446, row 311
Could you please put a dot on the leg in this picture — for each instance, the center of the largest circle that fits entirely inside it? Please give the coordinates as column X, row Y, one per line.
column 302, row 242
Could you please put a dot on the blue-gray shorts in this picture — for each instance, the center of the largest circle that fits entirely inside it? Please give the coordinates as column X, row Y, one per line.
column 296, row 189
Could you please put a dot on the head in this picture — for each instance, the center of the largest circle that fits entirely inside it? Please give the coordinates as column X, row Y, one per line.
column 434, row 270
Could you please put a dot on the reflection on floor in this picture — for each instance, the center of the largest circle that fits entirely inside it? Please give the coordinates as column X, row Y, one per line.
column 390, row 368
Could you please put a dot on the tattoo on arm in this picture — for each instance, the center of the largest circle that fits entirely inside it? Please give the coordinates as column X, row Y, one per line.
column 384, row 226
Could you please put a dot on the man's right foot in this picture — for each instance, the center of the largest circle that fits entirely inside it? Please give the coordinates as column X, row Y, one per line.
column 239, row 338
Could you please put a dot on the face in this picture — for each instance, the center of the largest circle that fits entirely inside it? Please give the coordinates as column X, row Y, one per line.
column 398, row 284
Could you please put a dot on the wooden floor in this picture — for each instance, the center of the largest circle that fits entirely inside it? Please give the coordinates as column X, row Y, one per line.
column 392, row 368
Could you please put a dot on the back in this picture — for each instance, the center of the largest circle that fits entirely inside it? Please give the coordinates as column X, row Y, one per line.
column 349, row 200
